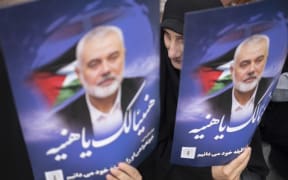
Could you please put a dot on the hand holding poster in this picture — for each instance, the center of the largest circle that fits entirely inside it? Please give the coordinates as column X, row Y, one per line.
column 85, row 89
column 232, row 60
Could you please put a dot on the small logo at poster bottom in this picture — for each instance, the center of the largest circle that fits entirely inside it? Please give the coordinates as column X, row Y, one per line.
column 188, row 152
column 54, row 175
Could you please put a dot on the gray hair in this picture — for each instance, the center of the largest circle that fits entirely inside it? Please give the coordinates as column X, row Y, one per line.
column 254, row 39
column 99, row 31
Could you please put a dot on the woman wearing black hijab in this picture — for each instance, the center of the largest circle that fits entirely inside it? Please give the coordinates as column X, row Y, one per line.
column 157, row 166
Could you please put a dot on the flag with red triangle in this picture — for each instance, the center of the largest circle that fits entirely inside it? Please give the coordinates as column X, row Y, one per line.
column 57, row 81
column 215, row 75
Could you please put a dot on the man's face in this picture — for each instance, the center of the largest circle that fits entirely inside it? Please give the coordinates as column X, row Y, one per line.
column 249, row 66
column 101, row 68
column 175, row 46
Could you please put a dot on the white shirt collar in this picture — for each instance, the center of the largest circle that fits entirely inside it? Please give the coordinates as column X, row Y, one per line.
column 241, row 112
column 103, row 123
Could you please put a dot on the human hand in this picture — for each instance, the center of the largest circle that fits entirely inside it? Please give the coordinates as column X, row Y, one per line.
column 124, row 171
column 232, row 170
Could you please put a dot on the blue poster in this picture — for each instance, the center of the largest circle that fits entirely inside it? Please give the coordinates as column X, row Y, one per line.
column 232, row 60
column 85, row 81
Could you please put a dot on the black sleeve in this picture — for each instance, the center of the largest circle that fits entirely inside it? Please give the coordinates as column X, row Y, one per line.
column 257, row 167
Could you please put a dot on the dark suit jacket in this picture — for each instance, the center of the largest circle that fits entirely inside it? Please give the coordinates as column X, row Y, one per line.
column 76, row 115
column 221, row 104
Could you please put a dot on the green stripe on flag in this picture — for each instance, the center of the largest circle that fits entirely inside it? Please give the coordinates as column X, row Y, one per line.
column 68, row 91
column 221, row 83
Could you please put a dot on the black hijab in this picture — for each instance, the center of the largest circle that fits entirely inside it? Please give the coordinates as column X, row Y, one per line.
column 157, row 166
column 173, row 18
column 174, row 11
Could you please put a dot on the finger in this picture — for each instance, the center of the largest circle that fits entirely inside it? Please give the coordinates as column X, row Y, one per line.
column 119, row 174
column 244, row 163
column 110, row 177
column 235, row 167
column 241, row 158
column 130, row 170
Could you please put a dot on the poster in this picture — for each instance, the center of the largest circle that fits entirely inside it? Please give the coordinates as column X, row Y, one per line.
column 224, row 90
column 47, row 70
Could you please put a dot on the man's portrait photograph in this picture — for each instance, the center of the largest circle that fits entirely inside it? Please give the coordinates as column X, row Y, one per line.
column 227, row 80
column 84, row 76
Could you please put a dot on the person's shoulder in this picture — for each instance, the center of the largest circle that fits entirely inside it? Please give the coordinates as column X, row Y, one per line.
column 137, row 79
column 266, row 81
column 221, row 96
column 131, row 89
column 133, row 82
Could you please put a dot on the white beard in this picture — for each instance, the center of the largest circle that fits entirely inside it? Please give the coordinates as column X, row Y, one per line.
column 245, row 87
column 102, row 92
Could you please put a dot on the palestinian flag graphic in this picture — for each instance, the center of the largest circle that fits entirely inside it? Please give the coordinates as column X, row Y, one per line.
column 215, row 75
column 57, row 81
